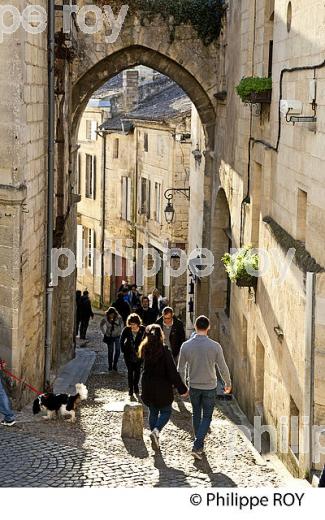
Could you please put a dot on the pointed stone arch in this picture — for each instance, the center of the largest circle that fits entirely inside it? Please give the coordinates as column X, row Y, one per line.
column 132, row 56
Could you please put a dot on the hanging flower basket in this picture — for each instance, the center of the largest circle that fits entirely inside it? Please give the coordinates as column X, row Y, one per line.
column 247, row 281
column 241, row 266
column 260, row 97
column 255, row 90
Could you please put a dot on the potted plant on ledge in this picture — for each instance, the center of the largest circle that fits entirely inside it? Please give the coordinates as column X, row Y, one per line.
column 255, row 90
column 241, row 266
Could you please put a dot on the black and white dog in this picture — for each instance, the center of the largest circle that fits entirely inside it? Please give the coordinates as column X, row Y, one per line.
column 62, row 404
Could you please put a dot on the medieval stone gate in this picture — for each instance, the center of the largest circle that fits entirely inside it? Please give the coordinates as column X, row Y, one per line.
column 85, row 62
column 81, row 63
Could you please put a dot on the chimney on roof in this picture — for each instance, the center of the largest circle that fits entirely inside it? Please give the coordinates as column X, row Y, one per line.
column 130, row 89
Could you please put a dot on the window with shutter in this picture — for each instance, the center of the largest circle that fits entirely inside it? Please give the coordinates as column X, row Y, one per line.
column 116, row 148
column 88, row 129
column 89, row 176
column 145, row 142
column 129, row 200
column 148, row 199
column 80, row 247
column 94, row 177
column 93, row 134
column 124, row 198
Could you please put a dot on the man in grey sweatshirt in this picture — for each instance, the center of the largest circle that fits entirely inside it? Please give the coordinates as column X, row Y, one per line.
column 201, row 355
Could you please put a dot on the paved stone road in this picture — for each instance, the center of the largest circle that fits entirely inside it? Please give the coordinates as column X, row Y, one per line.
column 91, row 452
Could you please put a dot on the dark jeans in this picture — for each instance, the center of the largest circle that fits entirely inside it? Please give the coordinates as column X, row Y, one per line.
column 78, row 323
column 322, row 479
column 203, row 402
column 134, row 370
column 5, row 407
column 83, row 328
column 114, row 350
column 159, row 417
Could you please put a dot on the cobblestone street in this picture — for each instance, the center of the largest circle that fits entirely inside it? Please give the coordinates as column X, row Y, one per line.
column 90, row 452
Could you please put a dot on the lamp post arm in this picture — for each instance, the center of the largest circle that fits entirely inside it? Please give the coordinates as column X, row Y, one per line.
column 184, row 191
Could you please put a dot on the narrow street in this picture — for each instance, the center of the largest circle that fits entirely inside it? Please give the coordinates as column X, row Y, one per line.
column 91, row 452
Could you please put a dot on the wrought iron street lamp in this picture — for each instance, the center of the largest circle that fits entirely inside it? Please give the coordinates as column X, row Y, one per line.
column 169, row 195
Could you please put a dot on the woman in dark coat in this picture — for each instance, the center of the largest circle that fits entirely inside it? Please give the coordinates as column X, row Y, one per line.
column 159, row 378
column 131, row 339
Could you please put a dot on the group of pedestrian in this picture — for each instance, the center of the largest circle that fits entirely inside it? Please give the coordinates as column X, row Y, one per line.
column 157, row 348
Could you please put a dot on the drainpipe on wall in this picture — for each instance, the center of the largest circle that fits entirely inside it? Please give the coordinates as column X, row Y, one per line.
column 50, row 190
column 102, row 283
column 309, row 366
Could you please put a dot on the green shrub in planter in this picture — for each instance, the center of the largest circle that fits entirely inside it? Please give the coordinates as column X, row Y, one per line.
column 238, row 263
column 251, row 89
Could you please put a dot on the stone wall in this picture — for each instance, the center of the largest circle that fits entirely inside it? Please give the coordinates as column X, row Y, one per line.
column 23, row 139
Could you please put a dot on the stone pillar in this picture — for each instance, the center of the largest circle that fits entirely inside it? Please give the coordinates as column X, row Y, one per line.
column 132, row 423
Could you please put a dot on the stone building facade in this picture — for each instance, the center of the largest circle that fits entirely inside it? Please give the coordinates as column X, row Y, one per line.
column 262, row 183
column 269, row 193
column 146, row 151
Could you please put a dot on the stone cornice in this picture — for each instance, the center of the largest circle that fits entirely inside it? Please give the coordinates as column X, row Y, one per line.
column 302, row 258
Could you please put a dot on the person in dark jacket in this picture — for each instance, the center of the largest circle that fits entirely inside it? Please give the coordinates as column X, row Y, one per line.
column 134, row 298
column 111, row 327
column 122, row 307
column 131, row 339
column 86, row 313
column 173, row 330
column 78, row 316
column 159, row 378
column 146, row 313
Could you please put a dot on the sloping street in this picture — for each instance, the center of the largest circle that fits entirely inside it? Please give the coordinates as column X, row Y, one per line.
column 91, row 452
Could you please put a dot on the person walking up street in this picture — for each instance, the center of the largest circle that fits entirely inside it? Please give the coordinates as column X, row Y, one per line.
column 148, row 315
column 122, row 307
column 5, row 407
column 131, row 339
column 155, row 300
column 111, row 327
column 86, row 313
column 158, row 379
column 134, row 298
column 173, row 330
column 201, row 355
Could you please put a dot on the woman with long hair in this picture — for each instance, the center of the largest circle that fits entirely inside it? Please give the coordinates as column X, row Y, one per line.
column 159, row 378
column 111, row 327
column 131, row 339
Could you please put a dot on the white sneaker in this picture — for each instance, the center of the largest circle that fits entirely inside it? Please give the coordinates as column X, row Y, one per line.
column 154, row 436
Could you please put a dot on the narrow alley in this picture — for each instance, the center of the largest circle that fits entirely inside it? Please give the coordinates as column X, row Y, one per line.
column 91, row 451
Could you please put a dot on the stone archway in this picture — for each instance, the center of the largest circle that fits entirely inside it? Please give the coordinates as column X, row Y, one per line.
column 185, row 59
column 135, row 55
column 221, row 242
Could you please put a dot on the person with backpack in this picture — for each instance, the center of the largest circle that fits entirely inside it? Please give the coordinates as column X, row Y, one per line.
column 111, row 327
column 131, row 339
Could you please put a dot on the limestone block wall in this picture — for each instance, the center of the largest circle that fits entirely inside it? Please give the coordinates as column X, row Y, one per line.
column 23, row 138
column 319, row 369
column 270, row 372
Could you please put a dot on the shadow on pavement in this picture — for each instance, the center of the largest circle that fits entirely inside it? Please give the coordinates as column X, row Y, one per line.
column 169, row 477
column 216, row 479
column 136, row 448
